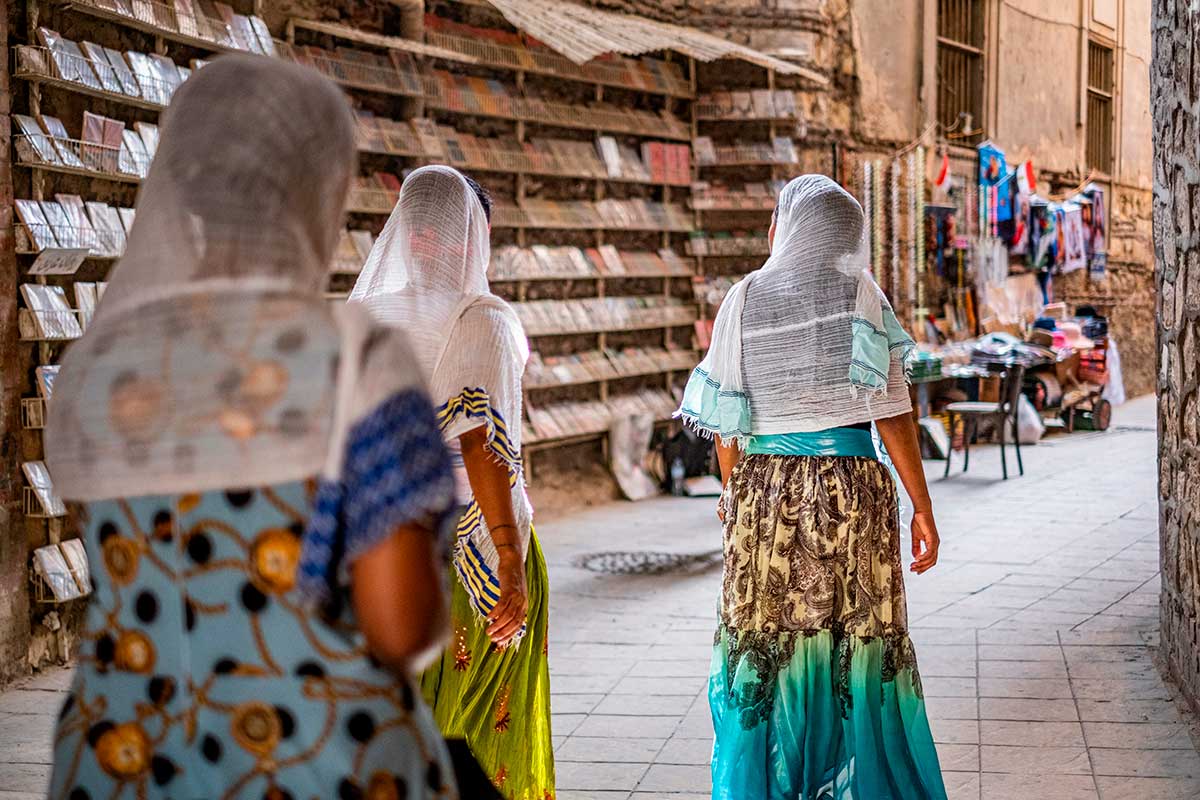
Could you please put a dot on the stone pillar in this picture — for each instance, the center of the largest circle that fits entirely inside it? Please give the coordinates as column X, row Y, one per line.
column 1175, row 89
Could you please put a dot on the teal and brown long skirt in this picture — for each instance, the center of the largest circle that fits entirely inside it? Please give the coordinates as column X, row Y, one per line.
column 814, row 687
column 499, row 700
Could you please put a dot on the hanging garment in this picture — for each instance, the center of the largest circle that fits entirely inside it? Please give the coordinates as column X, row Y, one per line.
column 427, row 274
column 236, row 446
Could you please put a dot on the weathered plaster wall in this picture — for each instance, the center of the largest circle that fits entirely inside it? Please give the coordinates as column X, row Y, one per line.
column 14, row 599
column 1176, row 91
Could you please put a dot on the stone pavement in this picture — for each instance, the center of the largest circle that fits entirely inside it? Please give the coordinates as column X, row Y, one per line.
column 1035, row 638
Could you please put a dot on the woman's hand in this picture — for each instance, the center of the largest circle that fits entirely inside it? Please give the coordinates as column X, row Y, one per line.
column 508, row 616
column 924, row 535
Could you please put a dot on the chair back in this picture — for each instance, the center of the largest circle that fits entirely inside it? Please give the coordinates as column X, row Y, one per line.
column 1010, row 388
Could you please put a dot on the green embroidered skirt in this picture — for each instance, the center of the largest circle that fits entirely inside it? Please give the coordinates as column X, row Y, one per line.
column 814, row 688
column 499, row 700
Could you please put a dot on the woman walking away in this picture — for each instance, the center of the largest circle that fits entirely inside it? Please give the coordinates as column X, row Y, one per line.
column 428, row 275
column 814, row 687
column 262, row 480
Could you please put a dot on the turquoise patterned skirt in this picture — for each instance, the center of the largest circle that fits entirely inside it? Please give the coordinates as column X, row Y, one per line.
column 814, row 687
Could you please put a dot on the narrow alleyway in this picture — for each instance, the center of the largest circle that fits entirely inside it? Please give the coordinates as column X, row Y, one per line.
column 1035, row 637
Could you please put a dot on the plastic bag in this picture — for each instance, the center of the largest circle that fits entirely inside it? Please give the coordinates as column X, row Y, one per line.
column 1029, row 422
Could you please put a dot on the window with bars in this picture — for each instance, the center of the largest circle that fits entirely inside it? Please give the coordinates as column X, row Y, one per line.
column 960, row 67
column 1100, row 84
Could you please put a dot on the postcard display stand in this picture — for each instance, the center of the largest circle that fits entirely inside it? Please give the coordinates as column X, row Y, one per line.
column 744, row 154
column 85, row 113
column 589, row 170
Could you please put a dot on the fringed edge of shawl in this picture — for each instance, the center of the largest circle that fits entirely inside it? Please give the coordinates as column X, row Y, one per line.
column 475, row 404
column 691, row 421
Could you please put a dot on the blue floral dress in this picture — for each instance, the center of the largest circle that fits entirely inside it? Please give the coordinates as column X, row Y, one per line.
column 201, row 674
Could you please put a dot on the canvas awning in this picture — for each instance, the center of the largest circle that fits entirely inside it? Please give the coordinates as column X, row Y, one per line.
column 582, row 34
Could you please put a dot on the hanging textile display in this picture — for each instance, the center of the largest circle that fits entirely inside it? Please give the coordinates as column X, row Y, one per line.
column 869, row 218
column 895, row 223
column 1095, row 225
column 1075, row 256
column 913, row 228
column 919, row 189
column 877, row 214
column 1026, row 186
column 993, row 173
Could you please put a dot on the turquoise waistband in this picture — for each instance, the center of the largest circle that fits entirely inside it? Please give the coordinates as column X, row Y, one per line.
column 832, row 442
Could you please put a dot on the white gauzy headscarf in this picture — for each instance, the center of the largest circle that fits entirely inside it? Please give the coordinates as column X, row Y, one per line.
column 808, row 341
column 213, row 358
column 427, row 274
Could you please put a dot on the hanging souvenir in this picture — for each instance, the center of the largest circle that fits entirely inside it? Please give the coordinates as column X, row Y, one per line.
column 994, row 173
column 895, row 221
column 1073, row 239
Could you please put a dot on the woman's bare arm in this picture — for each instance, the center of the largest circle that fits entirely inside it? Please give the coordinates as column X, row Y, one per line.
column 490, row 486
column 899, row 436
column 728, row 456
column 396, row 588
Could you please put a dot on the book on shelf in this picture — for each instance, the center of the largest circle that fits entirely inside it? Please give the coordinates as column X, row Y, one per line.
column 147, row 75
column 46, row 375
column 85, row 300
column 70, row 64
column 123, row 72
column 110, row 232
column 149, row 135
column 60, row 223
column 36, row 226
column 51, row 566
column 50, row 315
column 126, row 215
column 185, row 18
column 75, row 554
column 134, row 160
column 40, row 482
column 33, row 144
column 64, row 145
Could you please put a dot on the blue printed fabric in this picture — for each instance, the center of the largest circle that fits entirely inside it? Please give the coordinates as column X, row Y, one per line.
column 710, row 409
column 396, row 471
column 873, row 351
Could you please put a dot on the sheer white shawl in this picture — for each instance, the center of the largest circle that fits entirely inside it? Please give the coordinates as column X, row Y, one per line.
column 213, row 359
column 427, row 274
column 808, row 341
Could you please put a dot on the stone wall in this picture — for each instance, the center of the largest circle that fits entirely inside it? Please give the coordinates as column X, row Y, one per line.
column 14, row 594
column 1175, row 87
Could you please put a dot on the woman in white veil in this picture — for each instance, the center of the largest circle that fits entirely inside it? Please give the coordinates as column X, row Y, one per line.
column 257, row 474
column 814, row 688
column 427, row 274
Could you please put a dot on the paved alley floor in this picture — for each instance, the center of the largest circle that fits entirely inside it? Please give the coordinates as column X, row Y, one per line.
column 1035, row 637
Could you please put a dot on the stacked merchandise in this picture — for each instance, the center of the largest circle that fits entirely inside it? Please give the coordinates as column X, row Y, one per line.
column 210, row 23
column 491, row 98
column 396, row 72
column 594, row 314
column 749, row 196
column 632, row 215
column 149, row 78
column 70, row 223
column 544, row 372
column 739, row 243
column 781, row 150
column 508, row 49
column 351, row 253
column 104, row 147
column 541, row 262
column 376, row 193
column 743, row 106
column 565, row 420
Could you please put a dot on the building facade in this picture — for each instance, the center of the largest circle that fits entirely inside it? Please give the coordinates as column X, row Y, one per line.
column 1064, row 83
column 1177, row 249
column 1061, row 82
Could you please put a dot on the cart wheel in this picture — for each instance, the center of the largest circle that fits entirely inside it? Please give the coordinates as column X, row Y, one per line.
column 1102, row 414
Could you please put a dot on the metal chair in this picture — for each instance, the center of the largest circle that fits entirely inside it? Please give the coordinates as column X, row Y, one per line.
column 1002, row 413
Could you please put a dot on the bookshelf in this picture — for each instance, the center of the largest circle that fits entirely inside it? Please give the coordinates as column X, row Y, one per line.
column 84, row 123
column 744, row 141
